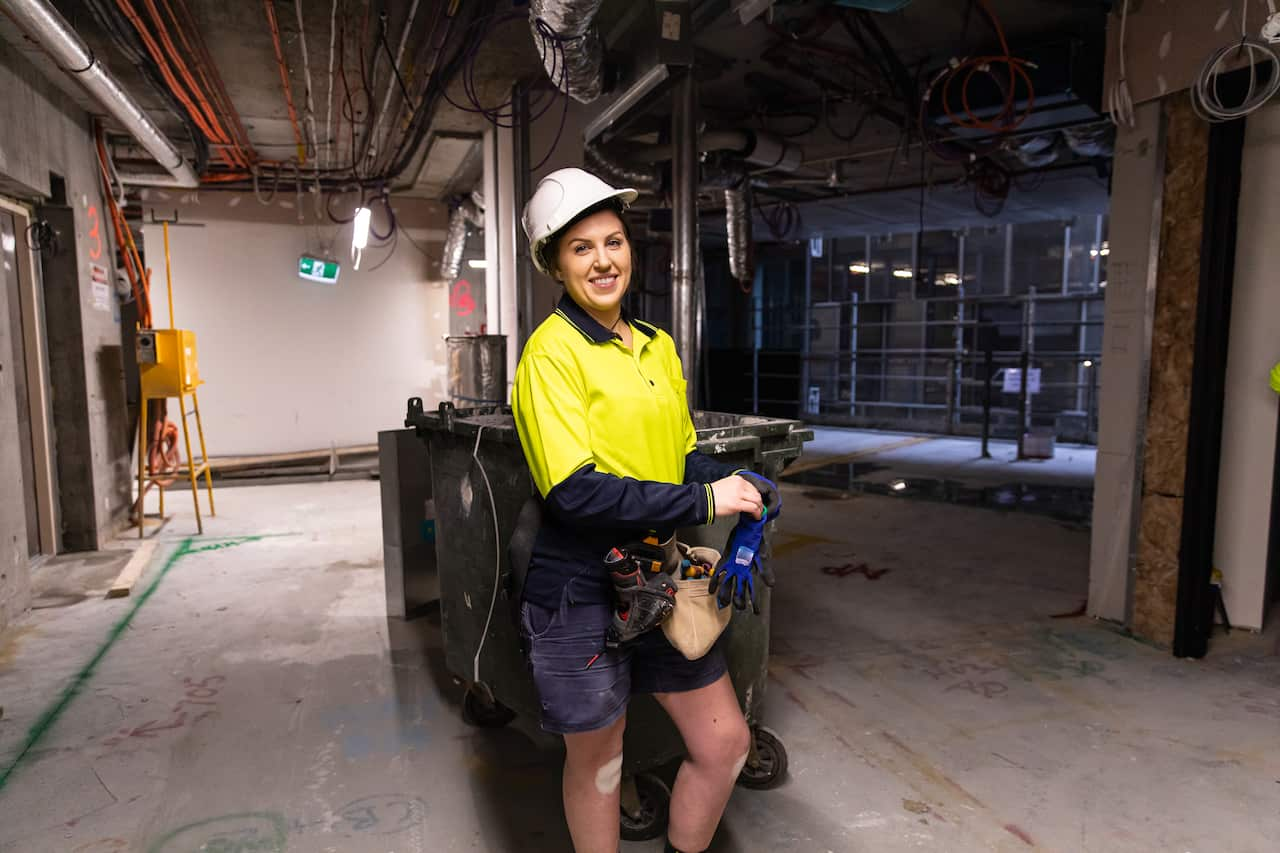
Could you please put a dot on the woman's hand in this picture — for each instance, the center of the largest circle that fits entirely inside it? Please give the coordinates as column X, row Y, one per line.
column 734, row 495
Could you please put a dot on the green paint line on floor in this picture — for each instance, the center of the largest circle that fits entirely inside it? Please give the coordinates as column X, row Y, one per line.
column 226, row 543
column 55, row 711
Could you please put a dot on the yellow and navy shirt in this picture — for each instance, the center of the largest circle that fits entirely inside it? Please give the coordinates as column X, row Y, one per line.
column 612, row 449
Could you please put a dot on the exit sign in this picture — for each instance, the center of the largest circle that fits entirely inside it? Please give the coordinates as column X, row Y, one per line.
column 316, row 269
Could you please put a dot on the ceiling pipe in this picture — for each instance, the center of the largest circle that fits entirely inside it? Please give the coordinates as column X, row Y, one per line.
column 684, row 226
column 52, row 32
column 569, row 45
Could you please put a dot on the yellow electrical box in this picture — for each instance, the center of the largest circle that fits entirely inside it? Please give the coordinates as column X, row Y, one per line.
column 167, row 362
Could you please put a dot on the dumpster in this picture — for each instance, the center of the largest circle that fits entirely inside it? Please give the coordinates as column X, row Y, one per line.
column 485, row 499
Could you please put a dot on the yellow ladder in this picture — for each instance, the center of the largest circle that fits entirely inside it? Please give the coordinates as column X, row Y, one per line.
column 169, row 370
column 194, row 468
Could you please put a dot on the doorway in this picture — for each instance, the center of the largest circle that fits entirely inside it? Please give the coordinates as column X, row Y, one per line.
column 24, row 331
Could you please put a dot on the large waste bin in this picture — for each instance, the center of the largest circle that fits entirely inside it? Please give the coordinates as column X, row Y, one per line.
column 482, row 485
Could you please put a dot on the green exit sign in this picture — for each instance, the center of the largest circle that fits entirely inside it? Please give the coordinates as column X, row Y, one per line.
column 317, row 269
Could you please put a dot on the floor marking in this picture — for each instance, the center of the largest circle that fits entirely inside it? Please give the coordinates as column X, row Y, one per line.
column 51, row 714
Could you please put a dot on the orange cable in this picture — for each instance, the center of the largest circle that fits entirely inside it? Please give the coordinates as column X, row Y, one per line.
column 192, row 87
column 175, row 87
column 284, row 79
column 189, row 35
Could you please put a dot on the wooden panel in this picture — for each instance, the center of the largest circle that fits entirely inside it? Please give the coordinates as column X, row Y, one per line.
column 1172, row 357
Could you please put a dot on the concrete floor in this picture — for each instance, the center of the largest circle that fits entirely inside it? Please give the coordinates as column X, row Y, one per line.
column 945, row 458
column 251, row 695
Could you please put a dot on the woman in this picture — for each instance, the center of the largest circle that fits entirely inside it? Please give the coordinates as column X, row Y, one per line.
column 600, row 406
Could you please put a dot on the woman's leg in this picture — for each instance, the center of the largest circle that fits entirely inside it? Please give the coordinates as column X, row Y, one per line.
column 717, row 739
column 592, row 778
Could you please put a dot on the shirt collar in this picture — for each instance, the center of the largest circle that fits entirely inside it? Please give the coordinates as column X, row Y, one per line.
column 585, row 323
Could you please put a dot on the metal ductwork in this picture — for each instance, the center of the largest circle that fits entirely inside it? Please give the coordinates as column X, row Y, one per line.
column 51, row 31
column 737, row 214
column 461, row 218
column 764, row 150
column 646, row 180
column 571, row 50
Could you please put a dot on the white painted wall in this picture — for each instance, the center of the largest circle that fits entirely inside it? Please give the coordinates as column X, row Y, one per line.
column 1126, row 346
column 290, row 364
column 1249, row 423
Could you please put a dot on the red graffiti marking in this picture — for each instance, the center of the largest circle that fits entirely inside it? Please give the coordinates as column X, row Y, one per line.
column 850, row 569
column 1020, row 833
column 95, row 251
column 460, row 300
column 197, row 693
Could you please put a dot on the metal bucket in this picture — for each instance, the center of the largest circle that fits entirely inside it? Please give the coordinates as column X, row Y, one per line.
column 477, row 369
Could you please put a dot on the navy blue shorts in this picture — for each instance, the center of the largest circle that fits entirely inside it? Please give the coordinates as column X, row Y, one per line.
column 574, row 698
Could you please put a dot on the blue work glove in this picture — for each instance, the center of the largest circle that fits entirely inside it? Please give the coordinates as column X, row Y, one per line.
column 734, row 578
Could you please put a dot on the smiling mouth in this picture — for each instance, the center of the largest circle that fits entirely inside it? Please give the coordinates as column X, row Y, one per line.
column 604, row 280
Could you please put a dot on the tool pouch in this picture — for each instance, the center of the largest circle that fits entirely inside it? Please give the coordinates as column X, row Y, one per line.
column 696, row 622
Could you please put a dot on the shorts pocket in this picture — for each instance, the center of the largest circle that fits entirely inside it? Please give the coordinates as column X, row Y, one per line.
column 536, row 621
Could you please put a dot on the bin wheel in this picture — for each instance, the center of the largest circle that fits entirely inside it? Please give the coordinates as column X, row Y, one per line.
column 649, row 821
column 483, row 711
column 767, row 765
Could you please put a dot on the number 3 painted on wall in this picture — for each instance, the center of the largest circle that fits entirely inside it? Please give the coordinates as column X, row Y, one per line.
column 95, row 251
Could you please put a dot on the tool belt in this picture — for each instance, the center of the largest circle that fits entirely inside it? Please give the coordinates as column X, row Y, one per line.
column 665, row 584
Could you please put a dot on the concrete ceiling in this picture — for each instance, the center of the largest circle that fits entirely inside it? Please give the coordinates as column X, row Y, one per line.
column 752, row 75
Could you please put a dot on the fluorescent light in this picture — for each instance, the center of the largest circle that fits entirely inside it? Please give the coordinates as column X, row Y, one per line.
column 898, row 485
column 478, row 263
column 948, row 280
column 360, row 231
column 903, row 272
column 859, row 268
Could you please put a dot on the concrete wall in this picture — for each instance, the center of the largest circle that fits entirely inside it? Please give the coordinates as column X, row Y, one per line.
column 42, row 131
column 291, row 364
column 15, row 580
column 1249, row 424
column 1126, row 345
column 1168, row 41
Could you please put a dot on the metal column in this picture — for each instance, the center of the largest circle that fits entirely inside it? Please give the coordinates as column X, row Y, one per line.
column 684, row 214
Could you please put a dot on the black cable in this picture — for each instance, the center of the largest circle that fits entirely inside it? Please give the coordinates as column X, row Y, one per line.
column 391, row 215
column 395, row 244
column 382, row 37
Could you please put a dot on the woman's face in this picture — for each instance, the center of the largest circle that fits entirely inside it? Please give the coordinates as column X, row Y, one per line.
column 593, row 261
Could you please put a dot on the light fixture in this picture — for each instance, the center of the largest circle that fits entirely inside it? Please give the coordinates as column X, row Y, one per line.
column 359, row 235
column 859, row 267
column 948, row 280
column 7, row 242
column 1106, row 249
column 478, row 263
column 903, row 272
column 1087, row 363
column 898, row 485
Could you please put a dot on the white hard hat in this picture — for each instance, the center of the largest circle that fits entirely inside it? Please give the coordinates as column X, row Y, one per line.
column 558, row 198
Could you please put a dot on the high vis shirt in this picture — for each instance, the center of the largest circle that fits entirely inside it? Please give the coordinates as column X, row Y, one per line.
column 609, row 441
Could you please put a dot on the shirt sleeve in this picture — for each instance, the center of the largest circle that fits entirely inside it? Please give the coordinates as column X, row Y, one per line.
column 550, row 407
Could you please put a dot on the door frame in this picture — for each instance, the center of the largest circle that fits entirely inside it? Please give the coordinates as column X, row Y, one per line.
column 35, row 343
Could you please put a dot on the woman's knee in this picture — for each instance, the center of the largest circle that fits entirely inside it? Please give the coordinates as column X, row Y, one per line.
column 725, row 745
